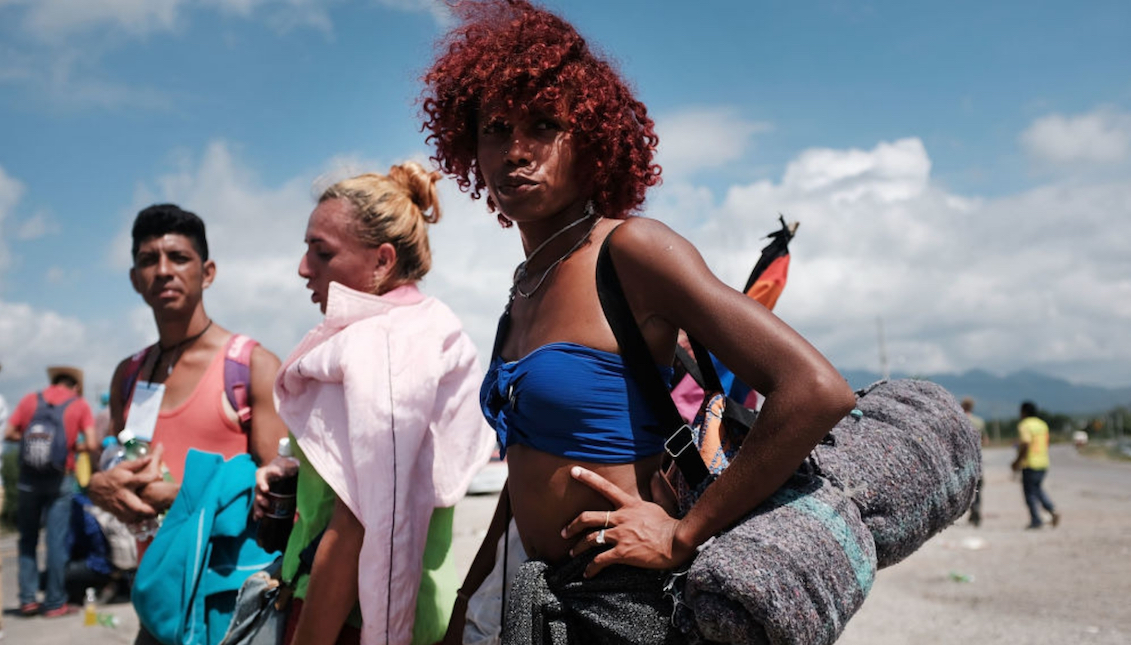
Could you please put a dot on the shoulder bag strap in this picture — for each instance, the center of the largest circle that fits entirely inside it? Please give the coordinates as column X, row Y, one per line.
column 685, row 362
column 237, row 376
column 679, row 440
column 130, row 377
column 708, row 376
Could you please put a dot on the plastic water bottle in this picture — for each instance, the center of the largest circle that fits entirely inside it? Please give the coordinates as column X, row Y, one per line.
column 276, row 524
column 132, row 449
column 135, row 448
column 112, row 453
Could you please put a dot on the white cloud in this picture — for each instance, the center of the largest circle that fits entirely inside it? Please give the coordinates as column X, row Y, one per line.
column 32, row 338
column 438, row 9
column 890, row 172
column 1039, row 279
column 39, row 225
column 1102, row 136
column 704, row 138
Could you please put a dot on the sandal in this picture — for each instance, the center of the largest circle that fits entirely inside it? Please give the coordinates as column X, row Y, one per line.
column 60, row 611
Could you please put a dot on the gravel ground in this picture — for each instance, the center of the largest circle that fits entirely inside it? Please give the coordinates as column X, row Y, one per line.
column 994, row 584
column 1067, row 585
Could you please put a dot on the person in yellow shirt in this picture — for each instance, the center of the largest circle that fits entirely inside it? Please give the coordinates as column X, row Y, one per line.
column 1033, row 462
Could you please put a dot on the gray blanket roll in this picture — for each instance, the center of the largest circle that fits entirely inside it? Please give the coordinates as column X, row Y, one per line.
column 911, row 463
column 886, row 479
column 794, row 571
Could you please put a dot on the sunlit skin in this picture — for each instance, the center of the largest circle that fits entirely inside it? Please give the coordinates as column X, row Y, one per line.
column 169, row 275
column 534, row 174
column 334, row 254
column 528, row 165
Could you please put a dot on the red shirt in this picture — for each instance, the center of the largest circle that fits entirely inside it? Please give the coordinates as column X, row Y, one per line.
column 77, row 417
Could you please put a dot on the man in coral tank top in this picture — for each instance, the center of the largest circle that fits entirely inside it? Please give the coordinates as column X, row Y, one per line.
column 175, row 388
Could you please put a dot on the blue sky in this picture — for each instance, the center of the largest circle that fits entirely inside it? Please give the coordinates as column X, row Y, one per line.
column 960, row 170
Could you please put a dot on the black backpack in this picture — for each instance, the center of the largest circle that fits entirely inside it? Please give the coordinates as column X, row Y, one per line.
column 43, row 446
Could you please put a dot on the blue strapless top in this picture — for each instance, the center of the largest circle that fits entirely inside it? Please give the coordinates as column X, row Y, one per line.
column 572, row 401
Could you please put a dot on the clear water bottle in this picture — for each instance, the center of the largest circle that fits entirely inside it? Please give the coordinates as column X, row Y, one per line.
column 133, row 448
column 112, row 454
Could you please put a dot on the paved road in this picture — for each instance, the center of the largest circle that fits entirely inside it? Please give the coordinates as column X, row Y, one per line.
column 1056, row 586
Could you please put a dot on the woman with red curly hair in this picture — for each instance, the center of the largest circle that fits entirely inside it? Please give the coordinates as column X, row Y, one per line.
column 518, row 105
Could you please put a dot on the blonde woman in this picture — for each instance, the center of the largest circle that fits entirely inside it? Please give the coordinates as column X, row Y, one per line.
column 381, row 398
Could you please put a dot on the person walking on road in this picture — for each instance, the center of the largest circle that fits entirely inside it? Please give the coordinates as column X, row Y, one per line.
column 1033, row 462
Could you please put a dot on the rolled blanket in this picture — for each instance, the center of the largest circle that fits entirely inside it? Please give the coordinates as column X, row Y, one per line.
column 911, row 463
column 558, row 606
column 792, row 572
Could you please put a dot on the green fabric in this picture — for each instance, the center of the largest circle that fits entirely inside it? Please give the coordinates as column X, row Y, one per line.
column 438, row 581
column 315, row 504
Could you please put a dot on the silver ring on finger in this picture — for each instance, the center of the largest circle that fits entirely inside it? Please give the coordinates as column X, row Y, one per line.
column 607, row 519
column 601, row 536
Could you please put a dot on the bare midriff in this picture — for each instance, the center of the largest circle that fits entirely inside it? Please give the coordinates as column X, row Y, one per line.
column 545, row 498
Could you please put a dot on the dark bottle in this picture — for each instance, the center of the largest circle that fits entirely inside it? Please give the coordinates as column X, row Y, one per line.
column 276, row 524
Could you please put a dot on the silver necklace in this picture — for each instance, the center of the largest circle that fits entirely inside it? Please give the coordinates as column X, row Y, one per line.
column 520, row 271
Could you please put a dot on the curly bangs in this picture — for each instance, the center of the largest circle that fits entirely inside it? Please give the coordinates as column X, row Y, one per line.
column 509, row 52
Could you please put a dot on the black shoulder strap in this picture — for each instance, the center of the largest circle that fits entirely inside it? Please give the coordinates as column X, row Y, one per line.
column 700, row 367
column 679, row 440
column 684, row 361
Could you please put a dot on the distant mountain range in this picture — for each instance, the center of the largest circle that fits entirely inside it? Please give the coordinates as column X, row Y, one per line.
column 999, row 397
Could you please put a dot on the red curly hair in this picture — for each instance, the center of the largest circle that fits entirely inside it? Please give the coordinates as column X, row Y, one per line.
column 509, row 52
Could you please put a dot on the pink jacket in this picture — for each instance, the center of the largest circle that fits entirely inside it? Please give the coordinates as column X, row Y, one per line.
column 383, row 399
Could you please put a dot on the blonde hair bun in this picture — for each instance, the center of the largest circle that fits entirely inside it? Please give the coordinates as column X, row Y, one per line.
column 395, row 208
column 420, row 185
